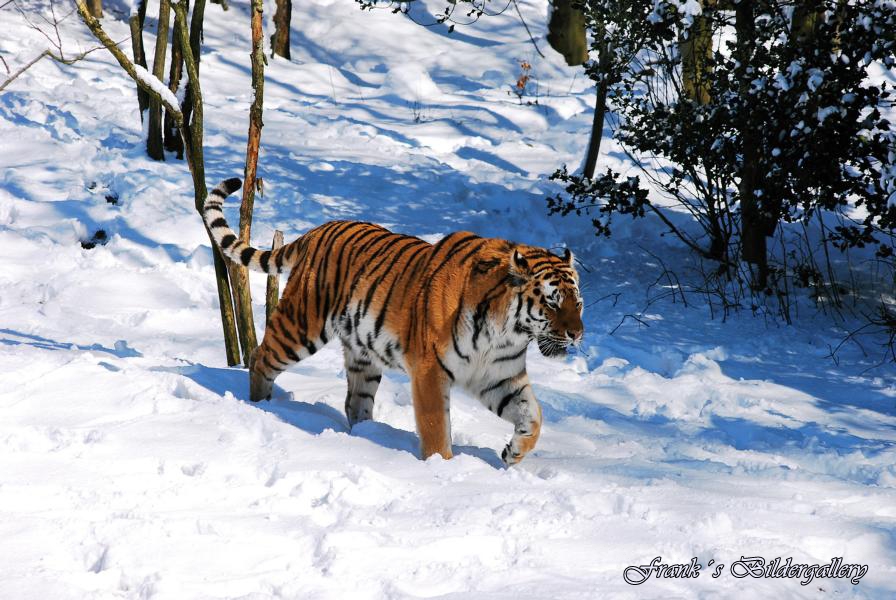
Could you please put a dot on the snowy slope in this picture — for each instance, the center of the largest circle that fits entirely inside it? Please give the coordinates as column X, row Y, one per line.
column 133, row 466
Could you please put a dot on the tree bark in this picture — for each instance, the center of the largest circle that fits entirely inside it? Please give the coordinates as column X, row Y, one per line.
column 600, row 112
column 240, row 278
column 696, row 53
column 566, row 32
column 753, row 237
column 282, row 19
column 96, row 8
column 154, row 146
column 195, row 42
column 272, row 295
column 136, row 22
column 172, row 139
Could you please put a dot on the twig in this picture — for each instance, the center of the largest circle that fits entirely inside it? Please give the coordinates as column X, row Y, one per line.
column 126, row 64
column 523, row 21
column 629, row 317
column 49, row 54
column 615, row 296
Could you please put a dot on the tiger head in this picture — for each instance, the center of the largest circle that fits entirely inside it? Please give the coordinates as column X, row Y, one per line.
column 550, row 305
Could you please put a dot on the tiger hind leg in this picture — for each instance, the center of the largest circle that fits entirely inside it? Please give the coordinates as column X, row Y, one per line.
column 363, row 380
column 283, row 346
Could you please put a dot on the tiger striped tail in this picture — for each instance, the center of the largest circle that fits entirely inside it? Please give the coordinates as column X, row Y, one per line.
column 231, row 246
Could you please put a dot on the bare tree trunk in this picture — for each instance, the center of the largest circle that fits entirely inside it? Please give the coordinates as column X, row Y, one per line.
column 696, row 53
column 566, row 32
column 282, row 19
column 272, row 295
column 240, row 275
column 136, row 22
column 172, row 139
column 195, row 41
column 192, row 135
column 96, row 8
column 753, row 239
column 193, row 140
column 600, row 112
column 154, row 133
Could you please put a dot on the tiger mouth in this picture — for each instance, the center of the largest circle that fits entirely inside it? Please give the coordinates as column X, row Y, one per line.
column 551, row 347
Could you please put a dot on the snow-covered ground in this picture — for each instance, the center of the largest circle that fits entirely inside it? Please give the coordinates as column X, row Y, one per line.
column 133, row 466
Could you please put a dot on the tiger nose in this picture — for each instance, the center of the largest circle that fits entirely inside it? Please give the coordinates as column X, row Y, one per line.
column 574, row 334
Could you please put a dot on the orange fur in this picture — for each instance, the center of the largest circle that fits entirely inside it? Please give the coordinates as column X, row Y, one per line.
column 459, row 312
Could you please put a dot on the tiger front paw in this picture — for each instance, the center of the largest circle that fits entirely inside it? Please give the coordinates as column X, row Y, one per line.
column 510, row 457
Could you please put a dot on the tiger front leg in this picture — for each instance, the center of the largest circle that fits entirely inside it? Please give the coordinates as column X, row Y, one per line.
column 363, row 380
column 431, row 387
column 512, row 399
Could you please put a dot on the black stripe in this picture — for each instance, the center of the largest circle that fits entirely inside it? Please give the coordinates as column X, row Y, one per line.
column 364, row 395
column 350, row 242
column 219, row 222
column 444, row 368
column 457, row 245
column 267, row 363
column 372, row 378
column 326, row 242
column 381, row 317
column 231, row 185
column 278, row 259
column 350, row 287
column 290, row 337
column 386, row 253
column 506, row 400
column 323, row 272
column 246, row 255
column 511, row 357
column 220, row 193
column 264, row 259
column 227, row 241
column 455, row 344
column 495, row 386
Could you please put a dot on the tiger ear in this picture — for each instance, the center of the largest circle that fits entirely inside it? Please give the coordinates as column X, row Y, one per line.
column 569, row 257
column 519, row 268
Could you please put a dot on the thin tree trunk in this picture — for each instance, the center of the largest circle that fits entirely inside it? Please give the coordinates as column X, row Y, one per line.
column 240, row 278
column 193, row 140
column 282, row 19
column 154, row 146
column 696, row 53
column 272, row 295
column 136, row 22
column 753, row 240
column 195, row 42
column 192, row 135
column 600, row 112
column 96, row 8
column 172, row 139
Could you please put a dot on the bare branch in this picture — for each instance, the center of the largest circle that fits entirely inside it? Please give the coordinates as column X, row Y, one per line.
column 523, row 21
column 47, row 54
column 94, row 25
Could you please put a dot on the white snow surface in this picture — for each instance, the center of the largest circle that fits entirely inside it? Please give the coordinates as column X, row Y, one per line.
column 133, row 466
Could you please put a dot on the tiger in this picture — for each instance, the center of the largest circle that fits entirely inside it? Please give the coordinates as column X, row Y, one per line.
column 459, row 312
